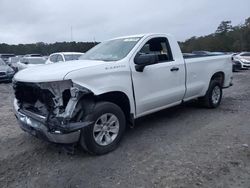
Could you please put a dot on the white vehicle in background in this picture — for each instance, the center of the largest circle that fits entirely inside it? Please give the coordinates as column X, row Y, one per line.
column 6, row 72
column 92, row 100
column 27, row 62
column 32, row 55
column 243, row 59
column 63, row 57
column 5, row 57
column 12, row 62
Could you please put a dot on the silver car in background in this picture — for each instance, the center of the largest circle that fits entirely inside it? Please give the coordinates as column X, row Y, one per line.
column 243, row 59
column 6, row 72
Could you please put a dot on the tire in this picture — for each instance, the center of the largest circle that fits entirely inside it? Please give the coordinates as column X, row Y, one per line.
column 234, row 69
column 210, row 100
column 94, row 138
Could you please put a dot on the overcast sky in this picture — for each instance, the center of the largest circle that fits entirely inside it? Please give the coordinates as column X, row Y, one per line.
column 28, row 21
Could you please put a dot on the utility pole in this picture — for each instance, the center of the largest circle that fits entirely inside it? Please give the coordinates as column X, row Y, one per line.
column 71, row 34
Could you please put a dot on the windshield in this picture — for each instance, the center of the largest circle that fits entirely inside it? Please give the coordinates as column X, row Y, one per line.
column 33, row 61
column 112, row 50
column 72, row 57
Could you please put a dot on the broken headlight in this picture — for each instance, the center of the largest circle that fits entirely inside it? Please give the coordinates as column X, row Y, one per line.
column 76, row 89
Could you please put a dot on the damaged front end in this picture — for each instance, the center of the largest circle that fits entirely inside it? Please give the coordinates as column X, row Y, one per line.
column 53, row 111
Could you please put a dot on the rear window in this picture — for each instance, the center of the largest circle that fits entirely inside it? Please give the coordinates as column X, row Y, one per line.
column 35, row 55
column 72, row 57
column 245, row 54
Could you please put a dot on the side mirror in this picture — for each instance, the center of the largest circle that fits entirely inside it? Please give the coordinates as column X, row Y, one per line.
column 143, row 60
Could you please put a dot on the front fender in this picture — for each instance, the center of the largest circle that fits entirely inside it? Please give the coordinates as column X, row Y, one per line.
column 101, row 80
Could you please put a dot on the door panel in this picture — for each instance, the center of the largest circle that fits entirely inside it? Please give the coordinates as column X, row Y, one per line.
column 158, row 86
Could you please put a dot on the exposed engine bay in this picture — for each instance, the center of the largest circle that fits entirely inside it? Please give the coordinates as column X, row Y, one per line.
column 58, row 105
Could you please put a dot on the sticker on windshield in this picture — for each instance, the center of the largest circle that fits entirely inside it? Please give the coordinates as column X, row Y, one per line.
column 131, row 39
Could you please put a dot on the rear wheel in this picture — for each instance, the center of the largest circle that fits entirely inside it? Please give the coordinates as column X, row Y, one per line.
column 107, row 129
column 213, row 97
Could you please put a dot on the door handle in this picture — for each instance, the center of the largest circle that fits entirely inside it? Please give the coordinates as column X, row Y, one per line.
column 174, row 69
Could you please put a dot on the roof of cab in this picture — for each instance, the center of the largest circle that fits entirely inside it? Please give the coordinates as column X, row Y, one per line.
column 140, row 35
column 68, row 53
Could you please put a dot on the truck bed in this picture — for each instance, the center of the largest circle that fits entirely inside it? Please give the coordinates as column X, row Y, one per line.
column 200, row 70
column 198, row 56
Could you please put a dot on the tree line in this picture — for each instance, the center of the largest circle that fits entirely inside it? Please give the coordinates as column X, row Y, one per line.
column 46, row 49
column 226, row 38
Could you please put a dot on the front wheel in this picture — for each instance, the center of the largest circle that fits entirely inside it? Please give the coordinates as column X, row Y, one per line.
column 106, row 131
column 213, row 97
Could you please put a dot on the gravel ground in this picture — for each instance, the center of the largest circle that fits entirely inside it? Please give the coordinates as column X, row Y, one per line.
column 185, row 146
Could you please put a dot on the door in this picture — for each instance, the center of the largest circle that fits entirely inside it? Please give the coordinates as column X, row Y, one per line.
column 160, row 84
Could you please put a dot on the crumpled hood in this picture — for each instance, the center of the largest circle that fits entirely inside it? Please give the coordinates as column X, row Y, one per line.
column 53, row 72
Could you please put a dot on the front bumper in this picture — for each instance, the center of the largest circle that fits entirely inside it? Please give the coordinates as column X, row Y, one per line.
column 36, row 126
column 245, row 65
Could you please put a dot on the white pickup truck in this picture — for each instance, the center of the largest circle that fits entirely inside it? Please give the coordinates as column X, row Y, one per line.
column 92, row 100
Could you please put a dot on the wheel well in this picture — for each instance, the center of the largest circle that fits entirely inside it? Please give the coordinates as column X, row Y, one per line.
column 120, row 99
column 219, row 76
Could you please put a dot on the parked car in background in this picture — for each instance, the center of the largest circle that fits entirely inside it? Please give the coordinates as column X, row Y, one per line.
column 26, row 62
column 46, row 57
column 201, row 53
column 217, row 53
column 242, row 60
column 188, row 55
column 12, row 61
column 6, row 72
column 63, row 57
column 233, row 55
column 5, row 57
column 32, row 55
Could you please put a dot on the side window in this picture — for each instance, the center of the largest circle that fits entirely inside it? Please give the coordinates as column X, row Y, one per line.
column 59, row 58
column 160, row 47
column 53, row 58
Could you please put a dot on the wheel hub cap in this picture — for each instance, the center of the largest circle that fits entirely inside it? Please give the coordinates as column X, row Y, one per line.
column 216, row 94
column 106, row 129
